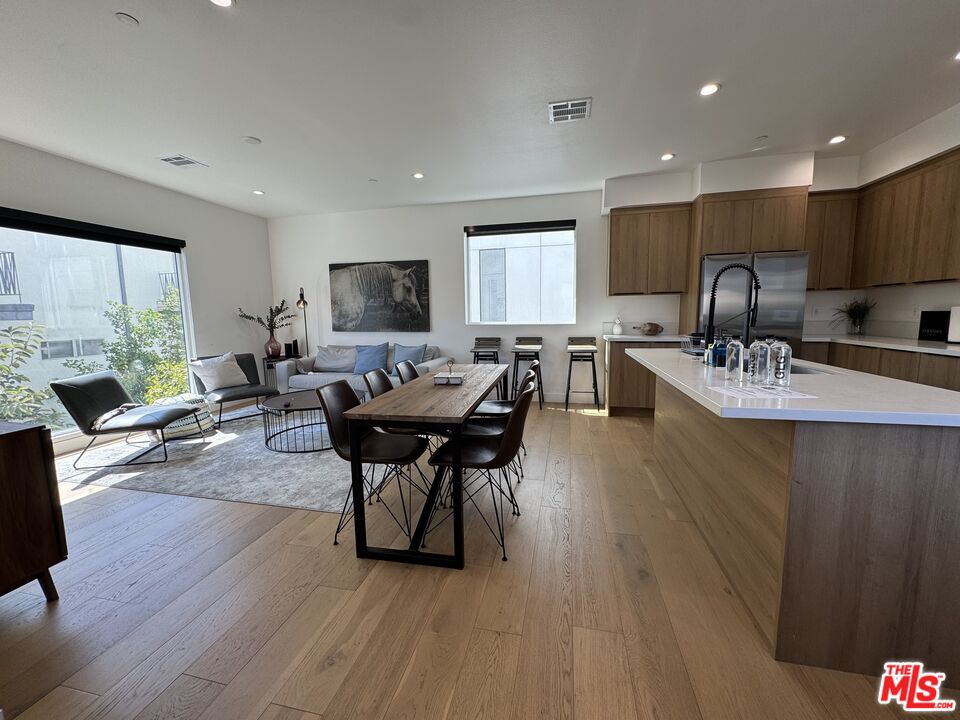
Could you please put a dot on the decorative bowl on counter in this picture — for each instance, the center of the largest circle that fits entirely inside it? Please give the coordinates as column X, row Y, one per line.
column 651, row 329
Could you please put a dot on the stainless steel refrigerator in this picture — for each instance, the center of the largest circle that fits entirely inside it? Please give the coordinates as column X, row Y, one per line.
column 783, row 291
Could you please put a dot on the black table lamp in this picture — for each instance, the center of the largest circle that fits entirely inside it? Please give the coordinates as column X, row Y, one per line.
column 302, row 304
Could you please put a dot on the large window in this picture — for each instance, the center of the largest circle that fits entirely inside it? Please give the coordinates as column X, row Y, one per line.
column 524, row 274
column 70, row 304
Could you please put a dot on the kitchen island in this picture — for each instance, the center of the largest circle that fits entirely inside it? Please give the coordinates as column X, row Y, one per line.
column 836, row 518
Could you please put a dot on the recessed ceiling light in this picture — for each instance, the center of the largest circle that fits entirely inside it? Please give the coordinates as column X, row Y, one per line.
column 957, row 57
column 127, row 19
column 251, row 139
column 667, row 156
column 837, row 139
column 222, row 3
column 710, row 89
column 259, row 192
column 372, row 180
column 418, row 175
column 758, row 148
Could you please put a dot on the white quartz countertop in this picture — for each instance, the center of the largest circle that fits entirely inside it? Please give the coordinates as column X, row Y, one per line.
column 841, row 395
column 644, row 338
column 889, row 343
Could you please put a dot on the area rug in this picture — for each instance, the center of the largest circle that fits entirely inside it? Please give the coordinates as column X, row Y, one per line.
column 230, row 464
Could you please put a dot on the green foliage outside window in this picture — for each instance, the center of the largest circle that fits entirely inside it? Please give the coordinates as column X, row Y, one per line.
column 18, row 401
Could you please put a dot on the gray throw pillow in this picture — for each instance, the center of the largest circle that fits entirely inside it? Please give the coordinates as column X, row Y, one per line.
column 335, row 358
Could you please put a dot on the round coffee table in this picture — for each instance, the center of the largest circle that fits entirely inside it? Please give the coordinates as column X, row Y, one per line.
column 294, row 423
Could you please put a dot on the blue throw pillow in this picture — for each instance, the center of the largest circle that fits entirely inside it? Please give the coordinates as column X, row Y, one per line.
column 413, row 353
column 371, row 357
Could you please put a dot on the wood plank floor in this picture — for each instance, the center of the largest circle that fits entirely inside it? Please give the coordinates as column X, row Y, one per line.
column 611, row 606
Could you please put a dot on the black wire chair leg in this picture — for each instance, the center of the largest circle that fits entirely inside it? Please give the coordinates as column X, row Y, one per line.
column 132, row 461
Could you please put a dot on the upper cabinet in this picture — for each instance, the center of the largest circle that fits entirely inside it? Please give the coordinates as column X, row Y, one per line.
column 828, row 238
column 753, row 221
column 649, row 248
column 937, row 248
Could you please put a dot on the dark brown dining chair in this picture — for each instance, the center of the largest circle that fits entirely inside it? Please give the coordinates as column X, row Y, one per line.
column 502, row 408
column 394, row 452
column 490, row 458
column 378, row 382
column 407, row 371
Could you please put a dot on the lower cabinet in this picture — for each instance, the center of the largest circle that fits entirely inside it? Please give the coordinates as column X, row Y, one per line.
column 629, row 387
column 937, row 370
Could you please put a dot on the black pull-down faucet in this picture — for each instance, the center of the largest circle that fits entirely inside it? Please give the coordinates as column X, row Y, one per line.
column 753, row 301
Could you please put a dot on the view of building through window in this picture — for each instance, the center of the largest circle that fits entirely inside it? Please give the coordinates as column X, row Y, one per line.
column 70, row 306
column 522, row 278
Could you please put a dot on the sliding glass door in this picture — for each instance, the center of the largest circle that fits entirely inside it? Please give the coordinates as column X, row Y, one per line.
column 70, row 306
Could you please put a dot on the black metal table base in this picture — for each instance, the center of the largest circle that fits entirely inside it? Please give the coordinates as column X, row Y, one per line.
column 414, row 554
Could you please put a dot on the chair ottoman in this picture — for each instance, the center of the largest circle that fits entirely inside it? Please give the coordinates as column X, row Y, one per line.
column 187, row 426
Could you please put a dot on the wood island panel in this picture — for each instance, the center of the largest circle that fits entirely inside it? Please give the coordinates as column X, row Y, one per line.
column 733, row 477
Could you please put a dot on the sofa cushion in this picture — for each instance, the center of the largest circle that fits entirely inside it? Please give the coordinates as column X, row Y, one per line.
column 219, row 372
column 413, row 353
column 335, row 358
column 371, row 357
column 430, row 353
column 315, row 380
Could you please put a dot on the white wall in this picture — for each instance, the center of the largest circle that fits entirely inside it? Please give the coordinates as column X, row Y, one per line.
column 897, row 313
column 931, row 137
column 301, row 248
column 228, row 262
column 840, row 173
column 653, row 189
column 754, row 173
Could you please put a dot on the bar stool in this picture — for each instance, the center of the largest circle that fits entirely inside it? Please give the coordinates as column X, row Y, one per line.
column 582, row 349
column 487, row 350
column 527, row 349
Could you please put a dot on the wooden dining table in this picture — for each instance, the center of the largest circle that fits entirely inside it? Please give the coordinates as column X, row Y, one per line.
column 436, row 409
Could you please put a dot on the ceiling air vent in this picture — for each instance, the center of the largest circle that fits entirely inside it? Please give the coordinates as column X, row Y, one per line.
column 569, row 110
column 182, row 161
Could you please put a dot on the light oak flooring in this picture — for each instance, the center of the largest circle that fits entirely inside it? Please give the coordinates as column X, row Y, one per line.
column 610, row 607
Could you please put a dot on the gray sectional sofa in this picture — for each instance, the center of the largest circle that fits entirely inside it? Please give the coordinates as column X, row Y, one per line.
column 293, row 375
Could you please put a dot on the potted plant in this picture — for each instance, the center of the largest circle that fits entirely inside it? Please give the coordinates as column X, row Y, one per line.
column 855, row 313
column 277, row 317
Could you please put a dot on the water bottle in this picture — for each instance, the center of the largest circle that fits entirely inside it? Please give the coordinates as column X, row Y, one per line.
column 781, row 355
column 758, row 371
column 720, row 354
column 735, row 363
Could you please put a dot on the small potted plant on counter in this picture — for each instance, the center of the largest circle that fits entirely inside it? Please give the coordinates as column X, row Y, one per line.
column 855, row 313
column 277, row 317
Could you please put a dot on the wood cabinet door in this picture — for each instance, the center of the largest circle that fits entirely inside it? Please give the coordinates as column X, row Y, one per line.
column 940, row 371
column 778, row 223
column 726, row 226
column 937, row 248
column 631, row 384
column 836, row 243
column 839, row 355
column 813, row 240
column 669, row 250
column 864, row 359
column 899, row 364
column 899, row 234
column 629, row 253
column 864, row 271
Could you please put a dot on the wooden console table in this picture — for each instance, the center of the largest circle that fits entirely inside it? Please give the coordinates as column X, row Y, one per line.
column 32, row 538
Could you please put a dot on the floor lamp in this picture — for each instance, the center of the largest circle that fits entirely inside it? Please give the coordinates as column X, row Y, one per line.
column 302, row 304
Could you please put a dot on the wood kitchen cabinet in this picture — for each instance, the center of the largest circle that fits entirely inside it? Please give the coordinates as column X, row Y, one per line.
column 936, row 253
column 649, row 249
column 828, row 238
column 886, row 232
column 753, row 221
column 899, row 364
column 940, row 371
column 855, row 357
column 629, row 387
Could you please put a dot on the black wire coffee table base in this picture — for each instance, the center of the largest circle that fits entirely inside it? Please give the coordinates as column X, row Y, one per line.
column 294, row 423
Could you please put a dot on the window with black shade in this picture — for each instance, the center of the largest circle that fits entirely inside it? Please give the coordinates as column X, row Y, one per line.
column 521, row 274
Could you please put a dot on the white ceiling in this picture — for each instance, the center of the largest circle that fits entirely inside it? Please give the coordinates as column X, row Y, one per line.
column 344, row 90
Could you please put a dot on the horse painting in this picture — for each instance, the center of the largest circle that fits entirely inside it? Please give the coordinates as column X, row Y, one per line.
column 380, row 296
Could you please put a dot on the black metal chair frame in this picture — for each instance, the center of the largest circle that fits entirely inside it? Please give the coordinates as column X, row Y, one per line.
column 582, row 356
column 256, row 398
column 133, row 461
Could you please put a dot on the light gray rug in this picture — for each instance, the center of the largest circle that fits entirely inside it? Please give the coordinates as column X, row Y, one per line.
column 231, row 464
